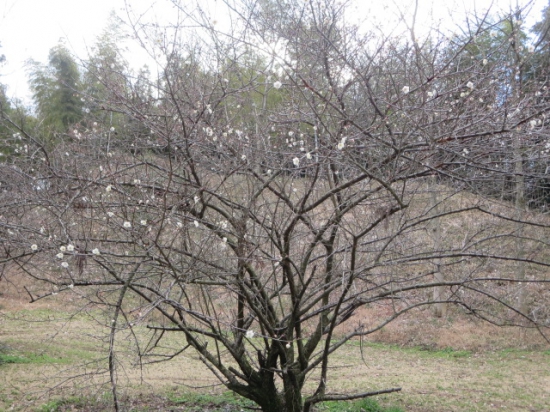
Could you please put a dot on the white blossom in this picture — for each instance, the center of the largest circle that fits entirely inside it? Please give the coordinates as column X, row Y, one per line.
column 296, row 161
column 277, row 84
column 70, row 286
column 59, row 256
column 470, row 85
column 196, row 223
column 96, row 251
column 127, row 225
column 109, row 188
column 110, row 214
column 63, row 248
column 112, row 129
column 430, row 94
column 243, row 157
column 143, row 222
column 405, row 89
column 485, row 61
column 70, row 248
column 342, row 143
column 308, row 156
column 65, row 264
column 250, row 334
column 291, row 133
column 34, row 248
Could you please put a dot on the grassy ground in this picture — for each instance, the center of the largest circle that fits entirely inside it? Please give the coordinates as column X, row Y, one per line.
column 42, row 347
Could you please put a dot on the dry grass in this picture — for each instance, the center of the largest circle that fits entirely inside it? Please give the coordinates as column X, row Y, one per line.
column 450, row 380
column 457, row 330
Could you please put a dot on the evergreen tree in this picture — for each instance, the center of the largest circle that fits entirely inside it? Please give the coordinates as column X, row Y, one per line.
column 5, row 109
column 56, row 90
column 542, row 47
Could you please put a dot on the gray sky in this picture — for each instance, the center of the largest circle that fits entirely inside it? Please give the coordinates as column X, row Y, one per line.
column 29, row 28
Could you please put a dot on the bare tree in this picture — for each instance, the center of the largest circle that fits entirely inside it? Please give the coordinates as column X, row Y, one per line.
column 288, row 169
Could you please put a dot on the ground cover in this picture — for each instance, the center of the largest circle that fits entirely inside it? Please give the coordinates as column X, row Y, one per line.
column 51, row 359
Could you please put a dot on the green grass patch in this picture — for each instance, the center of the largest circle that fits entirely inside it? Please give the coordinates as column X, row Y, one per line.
column 197, row 401
column 70, row 403
column 448, row 353
column 31, row 358
column 363, row 405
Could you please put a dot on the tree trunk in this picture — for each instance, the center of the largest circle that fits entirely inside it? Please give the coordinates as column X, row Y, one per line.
column 520, row 209
column 439, row 308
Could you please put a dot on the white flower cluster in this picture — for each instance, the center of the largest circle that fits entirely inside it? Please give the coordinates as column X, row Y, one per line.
column 342, row 143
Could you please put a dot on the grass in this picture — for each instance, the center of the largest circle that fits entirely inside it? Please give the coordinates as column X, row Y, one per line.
column 424, row 351
column 214, row 402
column 363, row 405
column 39, row 354
column 57, row 405
column 195, row 402
column 30, row 358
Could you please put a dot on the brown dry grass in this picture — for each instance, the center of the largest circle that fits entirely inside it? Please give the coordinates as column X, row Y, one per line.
column 456, row 330
column 483, row 380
